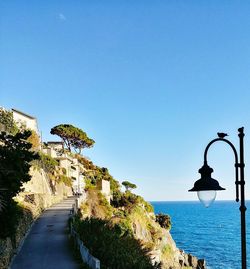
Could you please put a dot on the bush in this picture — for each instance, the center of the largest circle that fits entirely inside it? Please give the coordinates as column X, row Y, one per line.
column 164, row 220
column 148, row 207
column 34, row 140
column 127, row 199
column 89, row 184
column 115, row 247
column 9, row 218
column 47, row 163
column 116, row 198
column 15, row 159
column 7, row 121
column 66, row 180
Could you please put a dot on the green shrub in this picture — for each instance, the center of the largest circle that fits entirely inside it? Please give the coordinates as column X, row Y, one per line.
column 116, row 198
column 115, row 247
column 89, row 184
column 119, row 213
column 164, row 220
column 127, row 199
column 47, row 163
column 7, row 121
column 15, row 158
column 66, row 180
column 9, row 218
column 148, row 207
column 167, row 251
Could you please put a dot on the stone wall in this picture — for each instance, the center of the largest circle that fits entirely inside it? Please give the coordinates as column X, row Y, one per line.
column 39, row 182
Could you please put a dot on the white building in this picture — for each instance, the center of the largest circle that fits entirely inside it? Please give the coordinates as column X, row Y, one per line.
column 73, row 168
column 104, row 187
column 25, row 120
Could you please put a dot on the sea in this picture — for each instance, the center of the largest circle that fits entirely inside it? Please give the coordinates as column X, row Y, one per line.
column 211, row 233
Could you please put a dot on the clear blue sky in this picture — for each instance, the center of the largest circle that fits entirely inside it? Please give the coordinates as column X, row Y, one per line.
column 150, row 81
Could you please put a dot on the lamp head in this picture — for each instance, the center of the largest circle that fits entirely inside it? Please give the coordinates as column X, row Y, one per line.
column 206, row 186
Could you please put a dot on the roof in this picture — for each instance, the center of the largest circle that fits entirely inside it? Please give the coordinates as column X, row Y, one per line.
column 24, row 114
column 55, row 142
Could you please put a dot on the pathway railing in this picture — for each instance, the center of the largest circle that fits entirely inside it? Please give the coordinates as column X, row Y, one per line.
column 86, row 256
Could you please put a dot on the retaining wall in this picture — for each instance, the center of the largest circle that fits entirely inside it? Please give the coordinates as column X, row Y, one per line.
column 90, row 260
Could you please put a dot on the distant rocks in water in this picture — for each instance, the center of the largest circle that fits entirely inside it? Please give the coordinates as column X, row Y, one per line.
column 188, row 260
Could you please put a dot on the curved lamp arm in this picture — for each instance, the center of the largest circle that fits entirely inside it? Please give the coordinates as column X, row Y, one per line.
column 237, row 183
column 239, row 165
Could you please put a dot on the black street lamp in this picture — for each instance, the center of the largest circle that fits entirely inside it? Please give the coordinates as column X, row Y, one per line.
column 206, row 186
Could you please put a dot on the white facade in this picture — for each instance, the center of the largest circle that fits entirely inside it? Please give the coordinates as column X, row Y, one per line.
column 104, row 186
column 73, row 168
column 25, row 120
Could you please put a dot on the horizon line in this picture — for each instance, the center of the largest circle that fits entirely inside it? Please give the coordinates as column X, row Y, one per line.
column 226, row 200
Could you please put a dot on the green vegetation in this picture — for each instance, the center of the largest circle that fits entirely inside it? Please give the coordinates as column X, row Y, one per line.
column 34, row 140
column 7, row 121
column 73, row 137
column 129, row 200
column 128, row 185
column 94, row 174
column 164, row 221
column 96, row 205
column 47, row 163
column 110, row 244
column 54, row 172
column 167, row 252
column 64, row 179
column 110, row 231
column 148, row 207
column 15, row 162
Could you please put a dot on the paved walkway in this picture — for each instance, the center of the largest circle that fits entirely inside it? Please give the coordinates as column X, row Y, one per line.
column 47, row 245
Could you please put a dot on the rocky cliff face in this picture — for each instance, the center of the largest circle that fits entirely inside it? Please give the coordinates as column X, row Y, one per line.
column 142, row 224
column 164, row 250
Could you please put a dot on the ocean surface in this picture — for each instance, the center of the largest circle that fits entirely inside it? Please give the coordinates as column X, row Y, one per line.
column 210, row 233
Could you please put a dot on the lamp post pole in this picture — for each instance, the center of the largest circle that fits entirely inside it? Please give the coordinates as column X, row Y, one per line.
column 207, row 184
column 242, row 200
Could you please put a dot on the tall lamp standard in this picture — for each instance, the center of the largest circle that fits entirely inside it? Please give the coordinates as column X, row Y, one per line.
column 206, row 186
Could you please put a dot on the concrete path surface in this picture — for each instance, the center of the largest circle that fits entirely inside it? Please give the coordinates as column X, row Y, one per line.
column 47, row 244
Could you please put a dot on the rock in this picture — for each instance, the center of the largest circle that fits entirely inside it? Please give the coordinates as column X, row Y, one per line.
column 201, row 264
column 193, row 261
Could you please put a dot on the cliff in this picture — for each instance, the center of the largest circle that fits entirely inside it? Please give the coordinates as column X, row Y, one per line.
column 136, row 218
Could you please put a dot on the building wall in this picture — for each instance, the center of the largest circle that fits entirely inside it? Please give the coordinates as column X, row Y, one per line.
column 104, row 186
column 73, row 168
column 58, row 146
column 27, row 122
column 50, row 151
column 66, row 163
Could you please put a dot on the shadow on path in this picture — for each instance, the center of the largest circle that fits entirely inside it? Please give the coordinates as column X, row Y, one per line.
column 47, row 245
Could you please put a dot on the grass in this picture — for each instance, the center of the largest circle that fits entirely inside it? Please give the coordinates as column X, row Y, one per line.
column 167, row 252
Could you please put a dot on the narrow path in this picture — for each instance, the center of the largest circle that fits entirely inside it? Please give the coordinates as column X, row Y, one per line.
column 47, row 245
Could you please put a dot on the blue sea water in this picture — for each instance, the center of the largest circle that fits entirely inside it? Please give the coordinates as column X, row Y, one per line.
column 210, row 233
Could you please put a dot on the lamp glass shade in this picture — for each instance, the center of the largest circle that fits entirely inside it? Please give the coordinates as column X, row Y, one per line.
column 207, row 197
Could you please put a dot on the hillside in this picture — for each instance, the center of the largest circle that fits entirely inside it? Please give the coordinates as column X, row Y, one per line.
column 130, row 217
column 120, row 228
